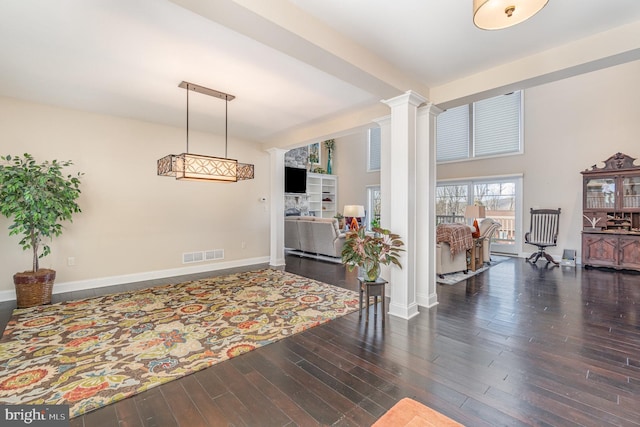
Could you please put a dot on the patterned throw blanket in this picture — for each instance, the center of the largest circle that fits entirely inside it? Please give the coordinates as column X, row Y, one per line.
column 458, row 236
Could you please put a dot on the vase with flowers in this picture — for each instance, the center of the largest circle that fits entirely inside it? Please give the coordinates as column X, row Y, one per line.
column 329, row 144
column 370, row 250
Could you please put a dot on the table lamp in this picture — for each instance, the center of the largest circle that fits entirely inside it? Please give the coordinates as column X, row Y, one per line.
column 475, row 212
column 354, row 212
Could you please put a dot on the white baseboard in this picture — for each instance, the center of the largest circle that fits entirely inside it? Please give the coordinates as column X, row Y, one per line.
column 101, row 282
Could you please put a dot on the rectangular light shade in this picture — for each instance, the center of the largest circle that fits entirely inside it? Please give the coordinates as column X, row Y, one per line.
column 474, row 211
column 245, row 171
column 200, row 168
column 356, row 211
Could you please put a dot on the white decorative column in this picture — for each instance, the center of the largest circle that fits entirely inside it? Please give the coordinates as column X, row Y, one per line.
column 276, row 163
column 402, row 199
column 425, row 206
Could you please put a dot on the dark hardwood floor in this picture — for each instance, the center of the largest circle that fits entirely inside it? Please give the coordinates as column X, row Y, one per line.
column 515, row 345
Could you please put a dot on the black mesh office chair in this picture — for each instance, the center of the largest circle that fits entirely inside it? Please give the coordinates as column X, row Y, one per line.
column 543, row 232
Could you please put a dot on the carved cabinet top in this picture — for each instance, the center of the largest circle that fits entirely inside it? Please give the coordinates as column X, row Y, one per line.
column 616, row 162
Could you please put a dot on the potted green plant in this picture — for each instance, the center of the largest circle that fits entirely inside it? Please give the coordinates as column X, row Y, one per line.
column 38, row 196
column 369, row 250
column 375, row 223
column 340, row 219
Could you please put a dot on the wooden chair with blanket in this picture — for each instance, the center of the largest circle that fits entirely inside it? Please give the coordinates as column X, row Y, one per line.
column 543, row 232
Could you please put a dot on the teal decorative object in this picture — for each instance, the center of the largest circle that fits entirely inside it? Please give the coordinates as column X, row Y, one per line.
column 329, row 144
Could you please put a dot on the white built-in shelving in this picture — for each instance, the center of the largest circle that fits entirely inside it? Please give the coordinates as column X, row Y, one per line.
column 322, row 192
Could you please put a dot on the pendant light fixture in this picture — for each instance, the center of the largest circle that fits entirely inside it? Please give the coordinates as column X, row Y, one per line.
column 197, row 167
column 499, row 14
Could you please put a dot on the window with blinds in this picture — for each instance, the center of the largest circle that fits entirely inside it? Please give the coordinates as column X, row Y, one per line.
column 452, row 134
column 373, row 148
column 485, row 128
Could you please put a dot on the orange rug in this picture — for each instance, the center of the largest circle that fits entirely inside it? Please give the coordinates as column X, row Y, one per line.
column 410, row 413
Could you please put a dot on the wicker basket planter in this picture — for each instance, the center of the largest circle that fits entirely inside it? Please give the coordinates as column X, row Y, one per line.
column 34, row 288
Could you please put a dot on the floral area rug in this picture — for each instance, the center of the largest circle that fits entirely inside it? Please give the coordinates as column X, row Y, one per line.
column 93, row 352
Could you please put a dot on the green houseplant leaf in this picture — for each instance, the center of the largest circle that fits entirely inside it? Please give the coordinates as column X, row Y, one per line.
column 38, row 196
column 369, row 250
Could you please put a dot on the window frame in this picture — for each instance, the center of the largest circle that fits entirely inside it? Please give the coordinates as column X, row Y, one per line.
column 369, row 151
column 370, row 204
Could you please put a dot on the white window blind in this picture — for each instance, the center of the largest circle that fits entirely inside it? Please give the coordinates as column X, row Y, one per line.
column 496, row 129
column 374, row 149
column 496, row 125
column 452, row 141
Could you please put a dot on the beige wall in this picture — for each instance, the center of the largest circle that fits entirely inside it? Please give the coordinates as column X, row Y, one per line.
column 350, row 164
column 570, row 125
column 133, row 221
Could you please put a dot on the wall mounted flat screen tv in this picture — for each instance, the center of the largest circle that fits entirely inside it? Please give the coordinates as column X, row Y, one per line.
column 295, row 180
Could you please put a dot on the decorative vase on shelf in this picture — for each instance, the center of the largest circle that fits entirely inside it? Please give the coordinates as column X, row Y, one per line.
column 329, row 162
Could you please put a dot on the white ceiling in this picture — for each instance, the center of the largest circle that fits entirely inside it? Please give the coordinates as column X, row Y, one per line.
column 126, row 58
column 436, row 42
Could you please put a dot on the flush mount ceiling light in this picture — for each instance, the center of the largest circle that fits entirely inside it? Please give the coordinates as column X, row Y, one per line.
column 197, row 167
column 499, row 14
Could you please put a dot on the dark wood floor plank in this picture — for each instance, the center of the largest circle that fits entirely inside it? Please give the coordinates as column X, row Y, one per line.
column 103, row 417
column 336, row 378
column 204, row 402
column 154, row 409
column 127, row 413
column 234, row 410
column 282, row 401
column 184, row 410
column 577, row 411
column 319, row 400
column 211, row 383
column 258, row 406
column 411, row 383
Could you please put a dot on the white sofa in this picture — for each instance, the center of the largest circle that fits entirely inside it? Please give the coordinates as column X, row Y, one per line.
column 445, row 263
column 488, row 227
column 313, row 235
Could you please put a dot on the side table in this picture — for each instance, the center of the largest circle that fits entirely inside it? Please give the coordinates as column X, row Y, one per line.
column 375, row 290
column 476, row 256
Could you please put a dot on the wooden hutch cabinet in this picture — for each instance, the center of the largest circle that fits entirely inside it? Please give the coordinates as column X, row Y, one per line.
column 611, row 214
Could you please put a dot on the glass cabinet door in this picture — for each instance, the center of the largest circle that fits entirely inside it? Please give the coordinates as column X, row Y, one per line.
column 631, row 192
column 600, row 193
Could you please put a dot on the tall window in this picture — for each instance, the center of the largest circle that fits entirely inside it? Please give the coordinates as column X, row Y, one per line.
column 451, row 200
column 373, row 205
column 373, row 150
column 485, row 128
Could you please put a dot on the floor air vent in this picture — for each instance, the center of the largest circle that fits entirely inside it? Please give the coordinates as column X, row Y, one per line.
column 190, row 257
column 214, row 254
column 211, row 255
